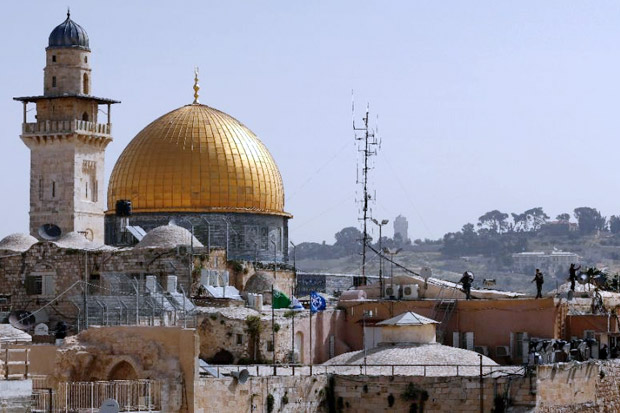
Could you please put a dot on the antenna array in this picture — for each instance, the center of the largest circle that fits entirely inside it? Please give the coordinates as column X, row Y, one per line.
column 367, row 145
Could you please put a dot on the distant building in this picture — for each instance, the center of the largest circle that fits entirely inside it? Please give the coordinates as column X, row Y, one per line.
column 559, row 228
column 400, row 228
column 553, row 261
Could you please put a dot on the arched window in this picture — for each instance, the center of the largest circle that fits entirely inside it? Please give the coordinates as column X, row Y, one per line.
column 85, row 88
column 85, row 116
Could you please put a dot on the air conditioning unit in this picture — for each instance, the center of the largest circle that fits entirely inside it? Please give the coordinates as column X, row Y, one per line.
column 391, row 291
column 411, row 291
column 183, row 250
column 502, row 351
column 484, row 350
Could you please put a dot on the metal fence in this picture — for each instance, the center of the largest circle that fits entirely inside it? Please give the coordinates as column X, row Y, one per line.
column 425, row 370
column 74, row 397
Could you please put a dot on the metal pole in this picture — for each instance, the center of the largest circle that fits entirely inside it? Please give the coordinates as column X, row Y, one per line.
column 311, row 346
column 191, row 260
column 85, row 289
column 481, row 387
column 380, row 264
column 273, row 330
column 364, row 337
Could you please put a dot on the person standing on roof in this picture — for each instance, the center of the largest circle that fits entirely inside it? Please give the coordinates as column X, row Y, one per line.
column 467, row 279
column 540, row 280
column 572, row 275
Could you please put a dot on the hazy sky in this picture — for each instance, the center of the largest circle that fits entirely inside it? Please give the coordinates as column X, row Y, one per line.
column 482, row 104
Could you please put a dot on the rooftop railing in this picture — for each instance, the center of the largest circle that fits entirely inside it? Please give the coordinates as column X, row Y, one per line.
column 65, row 126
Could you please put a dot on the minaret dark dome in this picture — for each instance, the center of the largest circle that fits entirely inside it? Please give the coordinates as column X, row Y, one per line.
column 69, row 34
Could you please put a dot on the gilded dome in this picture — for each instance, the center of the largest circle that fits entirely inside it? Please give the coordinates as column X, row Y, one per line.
column 197, row 159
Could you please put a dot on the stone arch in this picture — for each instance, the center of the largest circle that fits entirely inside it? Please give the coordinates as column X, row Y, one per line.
column 223, row 357
column 123, row 370
column 85, row 87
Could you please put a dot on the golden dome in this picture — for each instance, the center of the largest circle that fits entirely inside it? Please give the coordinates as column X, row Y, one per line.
column 197, row 159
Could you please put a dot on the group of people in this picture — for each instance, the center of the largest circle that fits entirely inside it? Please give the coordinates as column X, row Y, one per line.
column 468, row 278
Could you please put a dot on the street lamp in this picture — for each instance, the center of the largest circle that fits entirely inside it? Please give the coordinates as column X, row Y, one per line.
column 380, row 225
column 392, row 253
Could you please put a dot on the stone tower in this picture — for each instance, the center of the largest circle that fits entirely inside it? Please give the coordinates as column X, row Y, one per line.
column 66, row 141
column 401, row 227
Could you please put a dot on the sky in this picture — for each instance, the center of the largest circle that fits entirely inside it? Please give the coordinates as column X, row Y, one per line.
column 479, row 105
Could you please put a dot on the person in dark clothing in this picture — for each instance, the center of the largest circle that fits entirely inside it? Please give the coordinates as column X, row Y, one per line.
column 572, row 275
column 602, row 354
column 540, row 280
column 467, row 279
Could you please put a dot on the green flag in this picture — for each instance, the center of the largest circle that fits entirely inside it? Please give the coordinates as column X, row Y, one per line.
column 280, row 300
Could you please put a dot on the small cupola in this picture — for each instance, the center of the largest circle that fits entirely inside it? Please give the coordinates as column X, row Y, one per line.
column 68, row 34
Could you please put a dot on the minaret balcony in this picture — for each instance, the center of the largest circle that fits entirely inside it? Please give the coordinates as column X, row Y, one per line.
column 66, row 127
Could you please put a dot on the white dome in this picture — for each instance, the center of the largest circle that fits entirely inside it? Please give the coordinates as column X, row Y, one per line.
column 168, row 236
column 17, row 242
column 439, row 359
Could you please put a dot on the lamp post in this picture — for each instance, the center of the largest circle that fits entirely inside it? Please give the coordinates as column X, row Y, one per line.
column 293, row 288
column 392, row 253
column 380, row 225
column 273, row 317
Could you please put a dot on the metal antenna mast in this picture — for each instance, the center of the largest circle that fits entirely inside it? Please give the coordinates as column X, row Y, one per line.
column 367, row 145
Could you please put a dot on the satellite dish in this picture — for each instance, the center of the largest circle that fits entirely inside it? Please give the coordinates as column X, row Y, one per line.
column 50, row 232
column 583, row 278
column 109, row 406
column 22, row 319
column 426, row 272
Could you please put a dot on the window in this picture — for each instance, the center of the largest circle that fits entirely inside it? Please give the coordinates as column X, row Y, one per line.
column 40, row 188
column 40, row 285
column 53, row 189
column 239, row 339
column 86, row 190
column 85, row 116
column 53, row 81
column 270, row 346
column 95, row 191
column 53, row 58
column 85, row 59
column 85, row 88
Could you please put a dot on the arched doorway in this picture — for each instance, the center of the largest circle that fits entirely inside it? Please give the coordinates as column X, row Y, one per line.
column 299, row 346
column 122, row 371
column 85, row 116
column 223, row 357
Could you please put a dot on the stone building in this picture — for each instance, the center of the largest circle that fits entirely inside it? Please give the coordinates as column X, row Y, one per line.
column 401, row 227
column 209, row 172
column 66, row 141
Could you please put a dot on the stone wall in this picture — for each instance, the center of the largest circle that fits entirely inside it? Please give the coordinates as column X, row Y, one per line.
column 226, row 329
column 428, row 394
column 289, row 394
column 579, row 387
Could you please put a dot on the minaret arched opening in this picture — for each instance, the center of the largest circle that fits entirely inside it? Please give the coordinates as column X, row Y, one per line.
column 85, row 87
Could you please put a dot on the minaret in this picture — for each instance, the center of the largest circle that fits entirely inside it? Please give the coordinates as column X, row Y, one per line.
column 66, row 141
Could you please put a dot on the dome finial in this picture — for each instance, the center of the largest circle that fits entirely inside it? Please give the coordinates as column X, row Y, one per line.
column 196, row 86
column 68, row 12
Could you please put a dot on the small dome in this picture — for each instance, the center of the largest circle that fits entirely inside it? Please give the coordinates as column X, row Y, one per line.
column 69, row 34
column 167, row 236
column 17, row 242
column 258, row 283
column 439, row 359
column 74, row 240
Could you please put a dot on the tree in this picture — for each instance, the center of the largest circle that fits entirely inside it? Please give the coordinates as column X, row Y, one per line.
column 536, row 218
column 614, row 224
column 589, row 219
column 349, row 239
column 495, row 221
column 565, row 217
